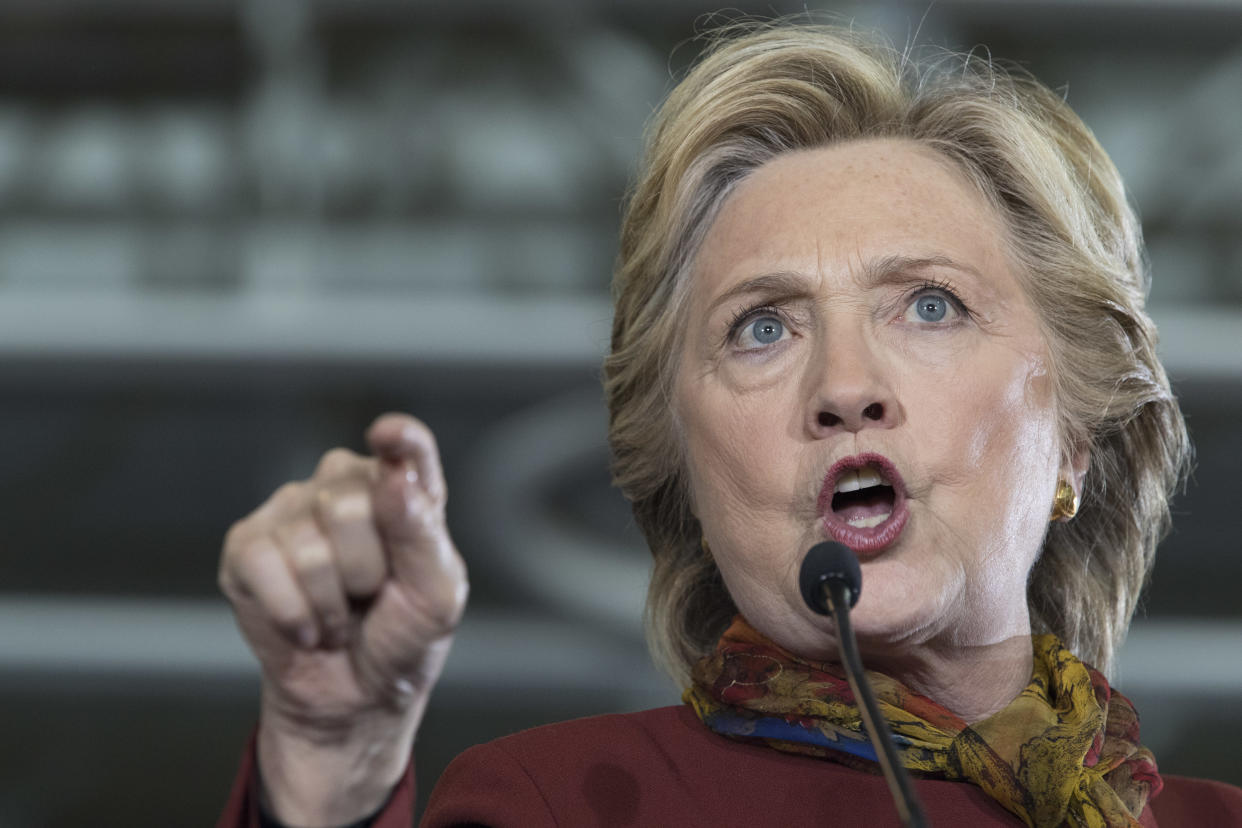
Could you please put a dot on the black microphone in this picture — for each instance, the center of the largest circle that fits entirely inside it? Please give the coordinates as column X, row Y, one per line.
column 831, row 582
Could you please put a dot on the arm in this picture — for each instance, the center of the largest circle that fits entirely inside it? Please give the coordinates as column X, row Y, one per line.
column 348, row 588
column 244, row 810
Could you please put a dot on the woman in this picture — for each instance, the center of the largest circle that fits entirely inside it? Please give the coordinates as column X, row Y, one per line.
column 893, row 306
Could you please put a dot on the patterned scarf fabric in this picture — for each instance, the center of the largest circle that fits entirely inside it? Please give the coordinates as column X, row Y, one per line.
column 1065, row 751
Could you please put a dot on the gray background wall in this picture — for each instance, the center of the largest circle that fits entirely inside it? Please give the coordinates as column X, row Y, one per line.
column 233, row 232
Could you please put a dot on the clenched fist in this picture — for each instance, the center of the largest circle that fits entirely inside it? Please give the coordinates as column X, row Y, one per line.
column 347, row 587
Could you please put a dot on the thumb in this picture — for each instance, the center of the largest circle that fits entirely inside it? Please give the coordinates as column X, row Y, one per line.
column 399, row 439
column 408, row 497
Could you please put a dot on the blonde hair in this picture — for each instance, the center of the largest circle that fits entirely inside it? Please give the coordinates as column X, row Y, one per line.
column 764, row 90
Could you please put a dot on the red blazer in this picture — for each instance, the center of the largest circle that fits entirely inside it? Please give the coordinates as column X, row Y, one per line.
column 663, row 767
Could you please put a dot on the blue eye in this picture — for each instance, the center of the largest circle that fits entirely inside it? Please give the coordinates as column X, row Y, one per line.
column 758, row 329
column 767, row 330
column 931, row 307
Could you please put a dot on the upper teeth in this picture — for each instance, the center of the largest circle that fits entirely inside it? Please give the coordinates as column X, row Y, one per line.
column 856, row 479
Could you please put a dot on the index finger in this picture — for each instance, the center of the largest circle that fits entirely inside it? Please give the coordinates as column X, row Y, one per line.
column 400, row 439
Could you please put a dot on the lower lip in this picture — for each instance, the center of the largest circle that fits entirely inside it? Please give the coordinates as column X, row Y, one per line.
column 870, row 540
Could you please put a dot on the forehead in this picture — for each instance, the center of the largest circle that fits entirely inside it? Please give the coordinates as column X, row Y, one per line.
column 829, row 211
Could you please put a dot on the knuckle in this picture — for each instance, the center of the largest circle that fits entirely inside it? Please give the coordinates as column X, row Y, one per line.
column 427, row 517
column 235, row 537
column 432, row 494
column 342, row 506
column 306, row 549
column 224, row 580
column 438, row 494
column 298, row 531
column 237, row 546
column 460, row 594
column 236, row 563
column 289, row 621
column 448, row 610
column 288, row 492
column 312, row 560
column 336, row 461
column 446, row 603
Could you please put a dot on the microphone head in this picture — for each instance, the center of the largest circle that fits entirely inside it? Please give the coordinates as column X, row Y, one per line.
column 829, row 561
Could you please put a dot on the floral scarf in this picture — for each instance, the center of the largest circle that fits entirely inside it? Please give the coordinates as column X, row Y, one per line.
column 1065, row 751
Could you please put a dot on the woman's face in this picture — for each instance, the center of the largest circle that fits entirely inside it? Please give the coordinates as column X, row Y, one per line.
column 855, row 324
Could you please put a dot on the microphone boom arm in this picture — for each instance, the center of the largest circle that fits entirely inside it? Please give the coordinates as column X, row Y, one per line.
column 837, row 596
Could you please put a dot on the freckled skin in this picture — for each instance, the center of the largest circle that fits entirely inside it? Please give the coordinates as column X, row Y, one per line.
column 968, row 415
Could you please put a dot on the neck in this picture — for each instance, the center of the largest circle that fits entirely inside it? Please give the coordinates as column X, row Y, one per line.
column 973, row 681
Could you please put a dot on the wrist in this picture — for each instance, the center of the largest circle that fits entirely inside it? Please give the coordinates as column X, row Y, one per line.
column 312, row 776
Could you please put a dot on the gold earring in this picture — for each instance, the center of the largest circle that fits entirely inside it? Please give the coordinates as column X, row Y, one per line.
column 1065, row 504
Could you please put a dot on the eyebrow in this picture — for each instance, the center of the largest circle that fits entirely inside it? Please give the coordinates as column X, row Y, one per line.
column 880, row 271
column 875, row 272
column 782, row 283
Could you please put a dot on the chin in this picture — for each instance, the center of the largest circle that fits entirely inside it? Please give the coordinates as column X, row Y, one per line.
column 888, row 634
column 896, row 619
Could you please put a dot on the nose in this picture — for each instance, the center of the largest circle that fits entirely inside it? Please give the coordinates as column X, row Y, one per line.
column 850, row 387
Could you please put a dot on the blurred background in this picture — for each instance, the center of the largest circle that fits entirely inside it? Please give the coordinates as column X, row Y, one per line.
column 234, row 232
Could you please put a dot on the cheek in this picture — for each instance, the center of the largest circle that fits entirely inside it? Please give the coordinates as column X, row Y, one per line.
column 742, row 467
column 1013, row 457
column 1024, row 419
column 727, row 454
column 997, row 417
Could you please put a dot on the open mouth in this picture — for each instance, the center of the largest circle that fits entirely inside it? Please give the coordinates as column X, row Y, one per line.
column 862, row 498
column 863, row 502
